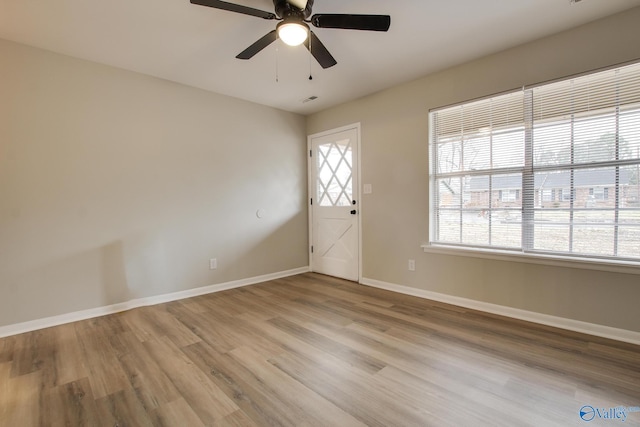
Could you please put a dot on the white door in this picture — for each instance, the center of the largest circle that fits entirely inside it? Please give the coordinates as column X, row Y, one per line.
column 334, row 206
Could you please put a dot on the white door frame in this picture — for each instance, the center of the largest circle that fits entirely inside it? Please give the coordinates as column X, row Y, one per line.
column 356, row 191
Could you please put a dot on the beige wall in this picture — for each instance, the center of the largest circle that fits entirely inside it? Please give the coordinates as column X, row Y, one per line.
column 115, row 186
column 395, row 161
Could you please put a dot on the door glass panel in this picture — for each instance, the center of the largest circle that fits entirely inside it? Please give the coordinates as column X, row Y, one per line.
column 334, row 173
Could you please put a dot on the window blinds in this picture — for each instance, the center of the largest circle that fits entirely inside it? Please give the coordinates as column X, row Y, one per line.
column 553, row 168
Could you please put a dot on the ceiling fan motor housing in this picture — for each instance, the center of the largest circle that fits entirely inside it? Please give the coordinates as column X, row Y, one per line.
column 284, row 10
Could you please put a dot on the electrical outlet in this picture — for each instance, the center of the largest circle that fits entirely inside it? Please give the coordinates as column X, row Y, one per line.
column 412, row 265
column 213, row 263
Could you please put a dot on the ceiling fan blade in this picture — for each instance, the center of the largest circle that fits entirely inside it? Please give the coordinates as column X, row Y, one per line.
column 319, row 51
column 232, row 7
column 263, row 42
column 352, row 22
column 300, row 4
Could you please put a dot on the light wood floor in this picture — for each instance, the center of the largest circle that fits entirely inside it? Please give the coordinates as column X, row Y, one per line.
column 311, row 350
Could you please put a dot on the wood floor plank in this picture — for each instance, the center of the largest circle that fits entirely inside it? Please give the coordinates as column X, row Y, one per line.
column 353, row 391
column 69, row 361
column 20, row 400
column 105, row 371
column 305, row 406
column 194, row 305
column 198, row 390
column 150, row 383
column 327, row 361
column 253, row 302
column 224, row 332
column 176, row 413
column 7, row 348
column 311, row 350
column 207, row 326
column 32, row 352
column 303, row 310
column 122, row 408
column 6, row 392
column 229, row 376
column 329, row 345
column 237, row 419
column 69, row 404
column 226, row 305
column 149, row 322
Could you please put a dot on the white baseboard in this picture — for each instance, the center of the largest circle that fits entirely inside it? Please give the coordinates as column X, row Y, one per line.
column 516, row 313
column 48, row 322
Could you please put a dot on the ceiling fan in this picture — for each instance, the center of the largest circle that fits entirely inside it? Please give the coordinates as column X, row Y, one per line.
column 293, row 29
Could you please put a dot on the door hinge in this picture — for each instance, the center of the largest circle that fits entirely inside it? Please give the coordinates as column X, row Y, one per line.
column 310, row 153
column 311, row 248
column 311, row 200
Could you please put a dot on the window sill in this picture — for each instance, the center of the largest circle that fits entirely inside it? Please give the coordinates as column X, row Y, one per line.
column 625, row 267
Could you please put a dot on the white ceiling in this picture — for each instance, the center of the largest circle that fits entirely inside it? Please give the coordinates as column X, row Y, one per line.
column 196, row 45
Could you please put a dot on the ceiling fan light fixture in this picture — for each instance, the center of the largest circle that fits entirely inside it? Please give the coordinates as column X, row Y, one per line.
column 293, row 33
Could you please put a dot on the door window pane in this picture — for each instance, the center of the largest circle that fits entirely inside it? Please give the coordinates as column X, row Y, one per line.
column 335, row 186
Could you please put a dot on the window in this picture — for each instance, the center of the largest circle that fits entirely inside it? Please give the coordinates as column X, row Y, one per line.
column 335, row 183
column 599, row 193
column 509, row 195
column 548, row 170
column 565, row 194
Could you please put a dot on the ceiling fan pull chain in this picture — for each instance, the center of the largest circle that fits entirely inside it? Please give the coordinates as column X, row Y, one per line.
column 310, row 56
column 277, row 56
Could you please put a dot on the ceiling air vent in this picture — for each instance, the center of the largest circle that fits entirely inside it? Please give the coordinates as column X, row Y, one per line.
column 311, row 98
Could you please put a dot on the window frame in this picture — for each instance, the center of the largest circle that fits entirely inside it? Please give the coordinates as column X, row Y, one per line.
column 527, row 195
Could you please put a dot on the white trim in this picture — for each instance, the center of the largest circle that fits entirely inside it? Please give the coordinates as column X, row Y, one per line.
column 617, row 334
column 47, row 322
column 310, row 197
column 529, row 258
column 357, row 189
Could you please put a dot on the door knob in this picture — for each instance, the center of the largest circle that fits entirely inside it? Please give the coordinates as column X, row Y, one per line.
column 353, row 212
